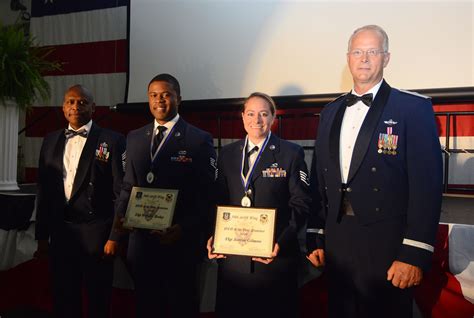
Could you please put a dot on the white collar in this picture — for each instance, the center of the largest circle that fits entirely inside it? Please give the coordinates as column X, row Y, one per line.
column 87, row 127
column 374, row 90
column 169, row 124
column 251, row 145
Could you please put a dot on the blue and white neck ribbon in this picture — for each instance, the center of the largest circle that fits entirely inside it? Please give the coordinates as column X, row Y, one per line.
column 246, row 179
column 163, row 143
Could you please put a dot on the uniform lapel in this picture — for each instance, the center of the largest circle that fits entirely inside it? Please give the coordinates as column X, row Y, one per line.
column 58, row 157
column 142, row 151
column 367, row 130
column 58, row 154
column 173, row 141
column 87, row 158
column 237, row 157
column 149, row 134
column 235, row 161
column 335, row 135
column 267, row 157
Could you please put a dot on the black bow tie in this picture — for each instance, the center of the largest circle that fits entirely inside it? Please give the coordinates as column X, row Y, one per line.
column 351, row 99
column 69, row 133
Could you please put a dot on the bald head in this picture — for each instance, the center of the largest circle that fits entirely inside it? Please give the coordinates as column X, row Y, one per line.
column 78, row 106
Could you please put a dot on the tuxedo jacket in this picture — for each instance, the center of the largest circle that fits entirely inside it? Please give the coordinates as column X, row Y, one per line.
column 405, row 184
column 186, row 162
column 286, row 188
column 96, row 185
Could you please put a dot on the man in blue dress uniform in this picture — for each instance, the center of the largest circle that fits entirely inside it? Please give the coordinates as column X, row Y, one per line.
column 379, row 168
column 168, row 154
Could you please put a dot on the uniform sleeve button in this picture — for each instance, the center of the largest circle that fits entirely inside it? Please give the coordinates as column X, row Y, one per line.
column 376, row 189
column 349, row 189
column 373, row 169
column 377, row 209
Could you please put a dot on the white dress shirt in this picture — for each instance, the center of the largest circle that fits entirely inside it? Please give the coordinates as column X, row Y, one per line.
column 253, row 156
column 169, row 126
column 351, row 123
column 72, row 154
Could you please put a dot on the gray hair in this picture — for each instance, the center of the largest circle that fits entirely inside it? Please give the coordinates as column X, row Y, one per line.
column 371, row 27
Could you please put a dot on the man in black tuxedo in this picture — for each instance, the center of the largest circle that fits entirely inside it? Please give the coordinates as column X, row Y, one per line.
column 168, row 153
column 80, row 175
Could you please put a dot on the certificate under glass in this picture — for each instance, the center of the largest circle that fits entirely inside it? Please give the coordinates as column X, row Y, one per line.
column 150, row 208
column 244, row 231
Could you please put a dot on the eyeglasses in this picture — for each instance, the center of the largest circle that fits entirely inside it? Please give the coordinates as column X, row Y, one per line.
column 370, row 53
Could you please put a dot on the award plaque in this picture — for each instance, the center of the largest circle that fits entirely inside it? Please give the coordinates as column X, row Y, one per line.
column 244, row 231
column 150, row 208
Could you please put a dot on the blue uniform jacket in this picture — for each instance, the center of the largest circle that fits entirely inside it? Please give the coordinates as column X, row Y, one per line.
column 405, row 183
column 286, row 190
column 186, row 162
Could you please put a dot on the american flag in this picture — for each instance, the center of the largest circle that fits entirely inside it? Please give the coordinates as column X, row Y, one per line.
column 447, row 290
column 90, row 38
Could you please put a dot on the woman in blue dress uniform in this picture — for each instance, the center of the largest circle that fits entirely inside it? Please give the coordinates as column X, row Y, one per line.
column 277, row 178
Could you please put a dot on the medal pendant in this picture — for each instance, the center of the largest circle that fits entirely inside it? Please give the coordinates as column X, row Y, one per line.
column 150, row 177
column 246, row 202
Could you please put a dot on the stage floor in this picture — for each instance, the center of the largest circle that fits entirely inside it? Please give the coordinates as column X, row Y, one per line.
column 457, row 208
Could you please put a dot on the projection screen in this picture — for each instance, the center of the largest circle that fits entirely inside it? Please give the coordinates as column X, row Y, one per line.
column 227, row 49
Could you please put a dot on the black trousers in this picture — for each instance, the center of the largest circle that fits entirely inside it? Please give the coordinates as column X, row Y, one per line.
column 165, row 278
column 270, row 292
column 77, row 263
column 358, row 258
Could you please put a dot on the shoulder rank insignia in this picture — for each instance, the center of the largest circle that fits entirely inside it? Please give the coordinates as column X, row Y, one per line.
column 304, row 177
column 124, row 159
column 414, row 93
